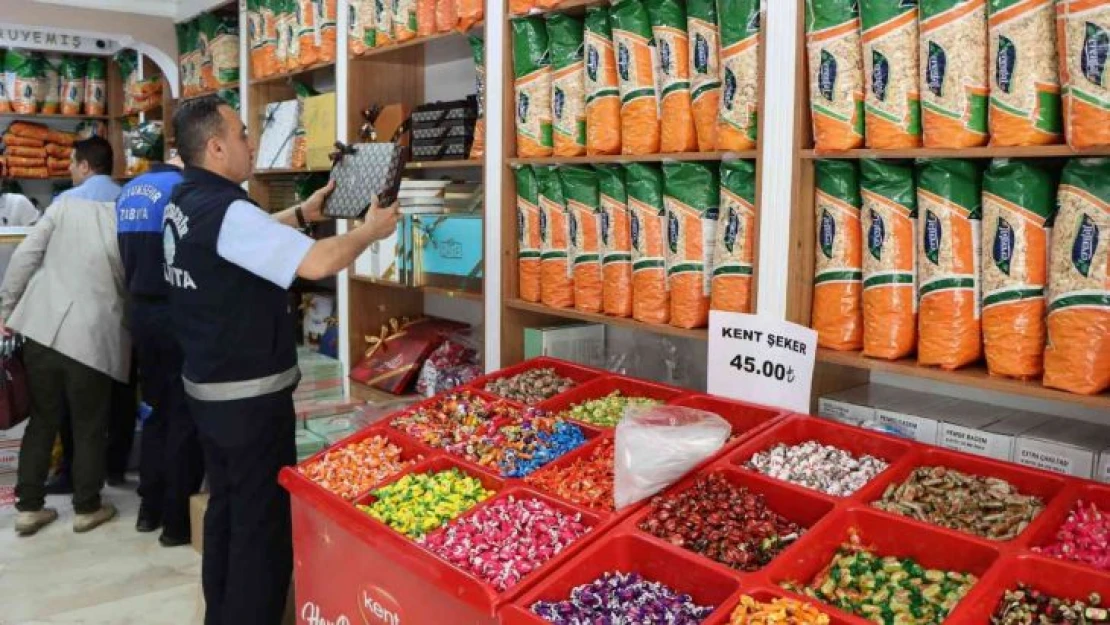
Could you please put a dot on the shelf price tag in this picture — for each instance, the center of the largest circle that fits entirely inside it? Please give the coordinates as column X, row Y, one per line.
column 761, row 360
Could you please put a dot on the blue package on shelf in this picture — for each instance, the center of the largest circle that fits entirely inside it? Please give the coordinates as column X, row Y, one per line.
column 447, row 251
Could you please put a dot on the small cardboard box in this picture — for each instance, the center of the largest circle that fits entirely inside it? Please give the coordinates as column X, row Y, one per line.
column 1103, row 473
column 912, row 414
column 962, row 427
column 582, row 343
column 1063, row 446
column 319, row 128
column 198, row 505
column 998, row 439
column 856, row 405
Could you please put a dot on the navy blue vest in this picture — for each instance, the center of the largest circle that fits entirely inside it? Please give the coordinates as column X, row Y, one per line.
column 139, row 215
column 231, row 324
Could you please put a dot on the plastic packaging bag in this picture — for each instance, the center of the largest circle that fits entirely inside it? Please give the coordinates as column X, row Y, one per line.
column 953, row 53
column 632, row 40
column 734, row 239
column 568, row 96
column 672, row 52
column 580, row 188
column 603, row 95
column 691, row 198
column 616, row 241
column 657, row 445
column 891, row 101
column 835, row 73
column 838, row 277
column 532, row 71
column 889, row 223
column 528, row 233
column 737, row 116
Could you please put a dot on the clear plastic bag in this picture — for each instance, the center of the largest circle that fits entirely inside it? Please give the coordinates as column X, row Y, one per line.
column 657, row 445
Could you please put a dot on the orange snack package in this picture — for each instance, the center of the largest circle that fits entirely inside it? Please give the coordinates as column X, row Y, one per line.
column 603, row 94
column 738, row 114
column 705, row 69
column 632, row 40
column 890, row 71
column 889, row 223
column 691, row 196
column 471, row 12
column 838, row 275
column 1083, row 33
column 616, row 241
column 568, row 85
column 425, row 18
column 556, row 272
column 835, row 73
column 672, row 47
column 580, row 188
column 734, row 250
column 528, row 233
column 532, row 71
column 650, row 298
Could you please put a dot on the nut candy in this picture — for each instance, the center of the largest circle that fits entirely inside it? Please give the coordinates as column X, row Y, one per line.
column 1084, row 537
column 351, row 470
column 985, row 506
column 722, row 521
column 606, row 411
column 824, row 468
column 623, row 599
column 506, row 540
column 778, row 611
column 588, row 481
column 1024, row 605
column 530, row 387
column 421, row 502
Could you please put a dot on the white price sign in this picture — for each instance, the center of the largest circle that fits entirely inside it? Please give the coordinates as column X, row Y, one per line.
column 761, row 360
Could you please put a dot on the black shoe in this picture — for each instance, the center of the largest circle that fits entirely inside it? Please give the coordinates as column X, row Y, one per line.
column 148, row 520
column 60, row 484
column 117, row 479
column 170, row 541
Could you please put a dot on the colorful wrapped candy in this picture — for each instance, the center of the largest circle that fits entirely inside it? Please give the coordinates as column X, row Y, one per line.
column 419, row 503
column 1084, row 537
column 353, row 469
column 623, row 598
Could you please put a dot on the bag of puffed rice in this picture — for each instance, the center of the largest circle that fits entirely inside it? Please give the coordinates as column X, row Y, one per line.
column 734, row 246
column 650, row 298
column 603, row 93
column 528, row 233
column 838, row 275
column 96, row 89
column 691, row 197
column 1077, row 356
column 1083, row 32
column 1018, row 203
column 672, row 71
column 568, row 97
column 478, row 147
column 738, row 114
column 51, row 88
column 835, row 74
column 383, row 22
column 532, row 70
column 705, row 70
column 404, row 19
column 556, row 271
column 584, row 223
column 616, row 241
column 447, row 15
column 1024, row 73
column 356, row 28
column 888, row 225
column 949, row 208
column 72, row 72
column 953, row 73
column 635, row 54
column 890, row 71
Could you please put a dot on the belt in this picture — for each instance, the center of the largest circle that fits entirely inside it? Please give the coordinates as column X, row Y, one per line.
column 242, row 389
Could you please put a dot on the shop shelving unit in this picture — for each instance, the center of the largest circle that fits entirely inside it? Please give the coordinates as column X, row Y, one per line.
column 843, row 369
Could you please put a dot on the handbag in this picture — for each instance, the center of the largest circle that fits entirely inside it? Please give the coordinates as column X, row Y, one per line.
column 15, row 399
column 364, row 170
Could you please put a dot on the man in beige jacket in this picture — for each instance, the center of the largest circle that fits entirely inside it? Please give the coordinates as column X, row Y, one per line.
column 64, row 292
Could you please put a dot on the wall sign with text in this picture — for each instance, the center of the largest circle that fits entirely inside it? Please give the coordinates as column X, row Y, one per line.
column 761, row 360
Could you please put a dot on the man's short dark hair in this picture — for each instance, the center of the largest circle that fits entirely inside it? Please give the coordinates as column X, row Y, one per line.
column 194, row 123
column 97, row 152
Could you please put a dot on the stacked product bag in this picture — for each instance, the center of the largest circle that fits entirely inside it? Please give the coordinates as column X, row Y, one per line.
column 691, row 197
column 734, row 246
column 532, row 86
column 556, row 274
column 838, row 274
column 705, row 69
column 737, row 121
column 616, row 241
column 282, row 36
column 650, row 297
column 580, row 189
column 632, row 39
column 953, row 53
column 890, row 70
column 672, row 50
column 529, row 243
column 602, row 89
column 835, row 73
column 568, row 87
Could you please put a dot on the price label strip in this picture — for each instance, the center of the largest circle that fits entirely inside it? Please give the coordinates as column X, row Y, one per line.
column 761, row 360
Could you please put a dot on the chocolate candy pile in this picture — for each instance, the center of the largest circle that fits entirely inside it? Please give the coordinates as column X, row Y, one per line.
column 606, row 411
column 421, row 502
column 722, row 521
column 353, row 469
column 778, row 611
column 1025, row 605
column 506, row 540
column 531, row 387
column 623, row 599
column 887, row 590
column 587, row 481
column 830, row 470
column 984, row 506
column 492, row 434
column 1084, row 537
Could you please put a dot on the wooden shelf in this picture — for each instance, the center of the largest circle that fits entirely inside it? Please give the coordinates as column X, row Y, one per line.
column 456, row 164
column 430, row 290
column 623, row 322
column 232, row 87
column 626, row 158
column 292, row 74
column 262, row 173
column 419, row 41
column 975, row 376
column 1036, row 151
column 41, row 117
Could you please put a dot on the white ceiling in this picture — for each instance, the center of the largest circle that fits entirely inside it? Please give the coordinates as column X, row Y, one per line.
column 177, row 10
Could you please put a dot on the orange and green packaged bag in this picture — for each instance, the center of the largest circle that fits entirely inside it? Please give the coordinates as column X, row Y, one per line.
column 603, row 94
column 425, row 18
column 616, row 241
column 568, row 85
column 1083, row 33
column 470, row 13
column 691, row 196
column 532, row 85
column 308, row 44
column 734, row 250
column 835, row 76
column 447, row 15
column 890, row 71
column 270, row 15
column 672, row 55
column 635, row 54
column 738, row 115
column 556, row 272
column 705, row 69
column 953, row 73
column 478, row 147
column 1024, row 73
column 949, row 208
column 1077, row 356
column 889, row 224
column 838, row 274
column 1018, row 204
column 404, row 19
column 650, row 297
column 580, row 188
column 327, row 25
column 383, row 22
column 528, row 233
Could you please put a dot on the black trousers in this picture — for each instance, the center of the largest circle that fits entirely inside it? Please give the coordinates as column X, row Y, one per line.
column 171, row 466
column 121, row 429
column 248, row 542
column 59, row 386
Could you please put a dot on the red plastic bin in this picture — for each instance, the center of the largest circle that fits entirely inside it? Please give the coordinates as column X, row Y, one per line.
column 580, row 374
column 605, row 386
column 1047, row 486
column 409, row 449
column 746, row 419
column 1052, row 519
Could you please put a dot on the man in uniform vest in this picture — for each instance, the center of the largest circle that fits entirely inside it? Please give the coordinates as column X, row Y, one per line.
column 229, row 265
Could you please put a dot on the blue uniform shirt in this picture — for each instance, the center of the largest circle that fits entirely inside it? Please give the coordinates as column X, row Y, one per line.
column 98, row 188
column 139, row 213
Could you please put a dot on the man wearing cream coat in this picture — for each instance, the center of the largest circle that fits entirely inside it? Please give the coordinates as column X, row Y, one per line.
column 64, row 291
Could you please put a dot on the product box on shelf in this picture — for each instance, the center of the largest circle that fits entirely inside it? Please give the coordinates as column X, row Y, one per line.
column 961, row 426
column 996, row 439
column 913, row 415
column 1103, row 472
column 309, row 444
column 583, row 343
column 390, row 259
column 447, row 251
column 1063, row 446
column 319, row 127
column 856, row 405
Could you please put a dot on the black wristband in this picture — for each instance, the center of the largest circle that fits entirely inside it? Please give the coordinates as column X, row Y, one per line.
column 300, row 217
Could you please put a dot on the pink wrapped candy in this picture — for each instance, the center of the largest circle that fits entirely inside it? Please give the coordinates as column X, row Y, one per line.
column 503, row 541
column 1084, row 537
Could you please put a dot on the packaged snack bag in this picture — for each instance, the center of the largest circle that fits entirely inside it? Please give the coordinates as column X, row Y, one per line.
column 634, row 45
column 650, row 298
column 838, row 276
column 616, row 241
column 691, row 196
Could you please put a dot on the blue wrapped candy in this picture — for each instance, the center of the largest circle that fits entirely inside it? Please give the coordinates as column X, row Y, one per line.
column 623, row 599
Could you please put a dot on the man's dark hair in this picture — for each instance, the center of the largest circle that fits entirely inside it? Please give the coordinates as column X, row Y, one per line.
column 97, row 152
column 194, row 123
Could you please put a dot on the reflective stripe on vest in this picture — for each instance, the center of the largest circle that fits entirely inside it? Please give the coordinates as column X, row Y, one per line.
column 243, row 389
